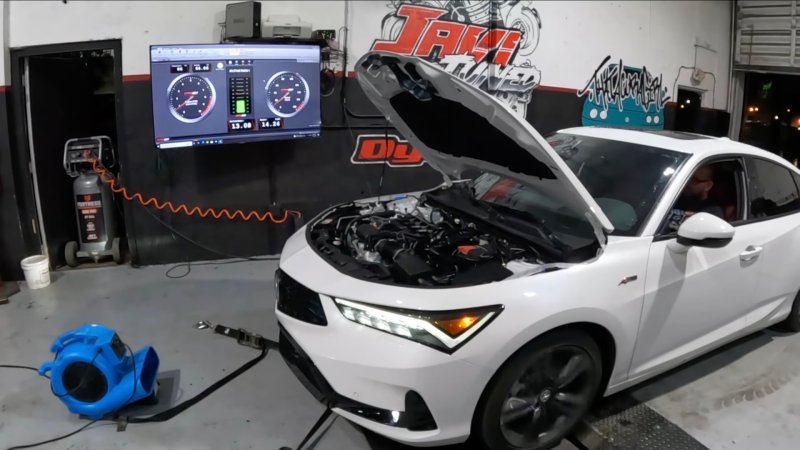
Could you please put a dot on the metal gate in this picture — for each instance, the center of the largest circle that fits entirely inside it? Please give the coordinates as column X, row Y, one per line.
column 766, row 35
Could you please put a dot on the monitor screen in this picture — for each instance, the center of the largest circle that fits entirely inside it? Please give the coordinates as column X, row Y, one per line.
column 210, row 94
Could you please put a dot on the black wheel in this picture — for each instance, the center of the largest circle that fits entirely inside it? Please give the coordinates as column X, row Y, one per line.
column 540, row 394
column 792, row 323
column 117, row 251
column 71, row 253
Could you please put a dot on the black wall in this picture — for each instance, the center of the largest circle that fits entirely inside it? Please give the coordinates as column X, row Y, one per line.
column 12, row 249
column 306, row 175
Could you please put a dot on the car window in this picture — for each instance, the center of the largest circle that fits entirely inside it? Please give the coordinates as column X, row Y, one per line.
column 714, row 188
column 624, row 178
column 772, row 189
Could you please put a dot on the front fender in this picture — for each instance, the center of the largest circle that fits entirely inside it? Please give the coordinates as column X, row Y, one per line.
column 561, row 319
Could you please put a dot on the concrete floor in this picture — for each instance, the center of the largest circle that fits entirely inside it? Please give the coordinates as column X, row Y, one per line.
column 743, row 397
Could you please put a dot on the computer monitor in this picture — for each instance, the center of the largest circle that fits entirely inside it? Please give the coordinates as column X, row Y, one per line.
column 210, row 94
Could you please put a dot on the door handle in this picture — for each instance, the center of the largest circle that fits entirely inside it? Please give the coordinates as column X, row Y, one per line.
column 751, row 252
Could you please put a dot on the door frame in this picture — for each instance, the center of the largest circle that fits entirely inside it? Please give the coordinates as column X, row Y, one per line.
column 21, row 151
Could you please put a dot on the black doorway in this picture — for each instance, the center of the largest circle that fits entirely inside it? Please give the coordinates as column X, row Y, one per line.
column 59, row 92
column 688, row 112
column 771, row 113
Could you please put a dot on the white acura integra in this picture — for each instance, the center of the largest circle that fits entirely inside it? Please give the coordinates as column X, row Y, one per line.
column 571, row 267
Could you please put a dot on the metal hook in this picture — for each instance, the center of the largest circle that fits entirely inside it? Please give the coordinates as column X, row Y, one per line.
column 203, row 324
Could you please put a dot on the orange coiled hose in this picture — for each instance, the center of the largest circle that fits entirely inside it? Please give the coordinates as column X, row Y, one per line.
column 109, row 179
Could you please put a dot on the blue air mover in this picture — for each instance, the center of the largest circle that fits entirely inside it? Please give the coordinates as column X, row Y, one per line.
column 93, row 374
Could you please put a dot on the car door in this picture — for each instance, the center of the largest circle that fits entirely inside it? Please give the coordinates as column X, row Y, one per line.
column 696, row 297
column 773, row 211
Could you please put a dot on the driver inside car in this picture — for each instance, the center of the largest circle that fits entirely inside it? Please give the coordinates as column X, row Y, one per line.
column 695, row 198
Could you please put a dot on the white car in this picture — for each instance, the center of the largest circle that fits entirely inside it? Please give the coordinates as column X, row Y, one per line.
column 500, row 306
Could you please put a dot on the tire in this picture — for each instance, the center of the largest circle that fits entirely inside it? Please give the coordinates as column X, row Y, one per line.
column 525, row 407
column 792, row 323
column 117, row 251
column 71, row 253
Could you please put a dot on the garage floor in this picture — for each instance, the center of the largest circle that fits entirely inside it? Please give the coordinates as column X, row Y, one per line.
column 743, row 397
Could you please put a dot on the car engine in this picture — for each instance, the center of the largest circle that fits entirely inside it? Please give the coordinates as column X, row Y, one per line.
column 406, row 241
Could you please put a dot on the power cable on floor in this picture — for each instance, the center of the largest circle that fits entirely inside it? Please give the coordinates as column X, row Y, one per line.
column 188, row 265
column 14, row 366
column 17, row 447
column 204, row 247
column 243, row 337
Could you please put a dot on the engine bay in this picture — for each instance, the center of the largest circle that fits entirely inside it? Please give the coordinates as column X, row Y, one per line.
column 410, row 241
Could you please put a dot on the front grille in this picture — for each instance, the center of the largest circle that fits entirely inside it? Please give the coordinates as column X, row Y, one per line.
column 416, row 417
column 298, row 301
column 304, row 369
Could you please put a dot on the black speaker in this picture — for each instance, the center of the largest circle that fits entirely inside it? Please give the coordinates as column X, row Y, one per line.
column 243, row 20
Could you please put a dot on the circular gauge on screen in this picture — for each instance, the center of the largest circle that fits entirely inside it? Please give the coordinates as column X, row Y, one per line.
column 287, row 93
column 191, row 97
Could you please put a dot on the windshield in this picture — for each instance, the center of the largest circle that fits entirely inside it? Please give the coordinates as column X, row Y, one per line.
column 625, row 179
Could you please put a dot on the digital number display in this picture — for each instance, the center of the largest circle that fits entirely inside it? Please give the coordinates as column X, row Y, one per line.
column 205, row 67
column 270, row 123
column 178, row 68
column 241, row 124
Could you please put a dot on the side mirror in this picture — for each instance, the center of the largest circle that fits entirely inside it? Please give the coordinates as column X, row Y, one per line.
column 705, row 230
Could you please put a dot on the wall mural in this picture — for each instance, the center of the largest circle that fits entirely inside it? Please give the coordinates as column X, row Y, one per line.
column 619, row 95
column 487, row 44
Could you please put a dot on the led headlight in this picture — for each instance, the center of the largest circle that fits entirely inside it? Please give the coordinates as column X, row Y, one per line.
column 442, row 330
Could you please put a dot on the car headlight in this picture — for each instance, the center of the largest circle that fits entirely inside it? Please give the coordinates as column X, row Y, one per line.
column 443, row 330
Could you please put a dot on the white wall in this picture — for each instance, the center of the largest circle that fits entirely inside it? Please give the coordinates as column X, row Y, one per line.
column 143, row 23
column 5, row 69
column 575, row 36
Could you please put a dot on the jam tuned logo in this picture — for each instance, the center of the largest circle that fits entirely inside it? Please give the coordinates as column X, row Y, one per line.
column 391, row 150
column 486, row 43
column 619, row 95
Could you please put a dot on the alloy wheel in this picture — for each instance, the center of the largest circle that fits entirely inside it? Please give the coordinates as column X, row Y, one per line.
column 548, row 397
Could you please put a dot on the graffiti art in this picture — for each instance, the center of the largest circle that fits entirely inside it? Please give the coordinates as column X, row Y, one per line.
column 623, row 96
column 488, row 44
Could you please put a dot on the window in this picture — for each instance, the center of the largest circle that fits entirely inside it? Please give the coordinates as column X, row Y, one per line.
column 715, row 188
column 625, row 179
column 772, row 189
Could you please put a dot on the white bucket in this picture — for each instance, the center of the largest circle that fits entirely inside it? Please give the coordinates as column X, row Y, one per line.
column 37, row 271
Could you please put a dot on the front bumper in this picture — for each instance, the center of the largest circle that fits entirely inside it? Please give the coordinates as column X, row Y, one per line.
column 397, row 388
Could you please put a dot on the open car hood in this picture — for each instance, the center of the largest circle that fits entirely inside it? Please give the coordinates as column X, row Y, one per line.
column 457, row 126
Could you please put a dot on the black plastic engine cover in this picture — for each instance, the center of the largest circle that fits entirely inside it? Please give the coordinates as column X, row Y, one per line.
column 411, row 265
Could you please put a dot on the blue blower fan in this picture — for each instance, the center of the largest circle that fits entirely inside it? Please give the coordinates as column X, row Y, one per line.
column 93, row 374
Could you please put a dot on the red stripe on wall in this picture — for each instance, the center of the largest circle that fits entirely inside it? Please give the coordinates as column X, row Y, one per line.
column 5, row 88
column 139, row 77
column 351, row 74
column 556, row 89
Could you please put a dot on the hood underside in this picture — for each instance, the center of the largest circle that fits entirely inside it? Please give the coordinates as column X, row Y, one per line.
column 457, row 126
